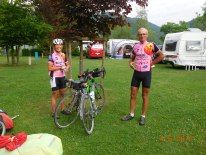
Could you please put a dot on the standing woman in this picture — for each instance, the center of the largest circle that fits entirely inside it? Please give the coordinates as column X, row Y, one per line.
column 57, row 66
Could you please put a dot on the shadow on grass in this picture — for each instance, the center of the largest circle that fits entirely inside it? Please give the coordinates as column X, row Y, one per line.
column 168, row 66
column 17, row 65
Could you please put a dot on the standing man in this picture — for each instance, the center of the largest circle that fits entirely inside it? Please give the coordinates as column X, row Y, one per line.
column 57, row 66
column 141, row 61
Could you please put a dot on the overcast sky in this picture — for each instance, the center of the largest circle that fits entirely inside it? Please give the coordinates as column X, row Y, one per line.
column 160, row 12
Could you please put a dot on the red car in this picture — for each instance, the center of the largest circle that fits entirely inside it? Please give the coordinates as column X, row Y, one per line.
column 95, row 51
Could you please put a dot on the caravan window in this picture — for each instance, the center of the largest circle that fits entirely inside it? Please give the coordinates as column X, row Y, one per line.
column 193, row 46
column 170, row 45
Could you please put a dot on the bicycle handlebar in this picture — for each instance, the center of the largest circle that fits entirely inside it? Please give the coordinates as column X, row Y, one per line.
column 77, row 85
column 83, row 78
column 93, row 74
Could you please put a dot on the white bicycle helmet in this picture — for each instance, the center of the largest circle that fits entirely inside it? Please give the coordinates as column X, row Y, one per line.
column 57, row 41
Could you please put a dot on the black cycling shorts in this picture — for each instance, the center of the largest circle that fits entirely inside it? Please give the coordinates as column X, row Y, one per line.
column 57, row 83
column 144, row 77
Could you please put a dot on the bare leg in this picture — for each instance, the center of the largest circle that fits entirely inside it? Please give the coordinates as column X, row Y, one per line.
column 145, row 98
column 61, row 94
column 54, row 97
column 133, row 97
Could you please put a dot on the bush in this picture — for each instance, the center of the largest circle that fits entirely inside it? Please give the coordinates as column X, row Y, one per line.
column 27, row 52
column 76, row 52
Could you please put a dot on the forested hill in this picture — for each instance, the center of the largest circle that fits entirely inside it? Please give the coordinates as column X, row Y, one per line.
column 133, row 22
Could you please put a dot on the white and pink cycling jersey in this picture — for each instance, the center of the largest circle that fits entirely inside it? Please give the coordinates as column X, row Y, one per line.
column 58, row 61
column 143, row 53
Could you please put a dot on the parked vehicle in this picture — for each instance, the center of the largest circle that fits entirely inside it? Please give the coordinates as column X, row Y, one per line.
column 160, row 47
column 95, row 50
column 119, row 48
column 186, row 48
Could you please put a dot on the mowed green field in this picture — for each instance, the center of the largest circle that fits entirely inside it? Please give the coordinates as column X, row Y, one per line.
column 176, row 120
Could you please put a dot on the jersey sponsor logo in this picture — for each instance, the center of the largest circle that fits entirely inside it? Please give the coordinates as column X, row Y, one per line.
column 148, row 49
column 140, row 55
column 145, row 66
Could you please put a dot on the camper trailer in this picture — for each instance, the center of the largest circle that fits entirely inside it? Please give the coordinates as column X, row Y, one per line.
column 120, row 48
column 186, row 48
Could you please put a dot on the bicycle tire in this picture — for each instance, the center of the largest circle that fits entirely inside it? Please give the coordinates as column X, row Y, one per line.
column 2, row 128
column 69, row 103
column 99, row 96
column 87, row 113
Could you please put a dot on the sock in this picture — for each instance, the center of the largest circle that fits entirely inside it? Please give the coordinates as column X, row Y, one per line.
column 143, row 116
column 132, row 114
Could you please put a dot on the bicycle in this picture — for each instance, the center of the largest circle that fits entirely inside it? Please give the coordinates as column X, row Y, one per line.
column 3, row 124
column 84, row 98
column 2, row 127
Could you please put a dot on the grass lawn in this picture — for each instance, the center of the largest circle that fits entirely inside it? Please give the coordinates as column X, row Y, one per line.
column 176, row 121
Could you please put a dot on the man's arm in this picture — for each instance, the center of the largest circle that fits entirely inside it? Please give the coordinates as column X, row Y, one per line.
column 159, row 56
column 131, row 62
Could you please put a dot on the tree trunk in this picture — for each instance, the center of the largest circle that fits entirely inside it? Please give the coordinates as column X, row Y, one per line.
column 12, row 55
column 7, row 55
column 69, row 56
column 104, row 50
column 103, row 59
column 50, row 48
column 17, row 54
column 81, row 59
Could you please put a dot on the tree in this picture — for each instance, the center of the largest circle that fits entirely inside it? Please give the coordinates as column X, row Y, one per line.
column 19, row 26
column 171, row 27
column 88, row 18
column 200, row 21
column 75, row 19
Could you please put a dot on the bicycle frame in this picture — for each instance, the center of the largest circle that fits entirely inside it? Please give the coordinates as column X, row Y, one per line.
column 91, row 85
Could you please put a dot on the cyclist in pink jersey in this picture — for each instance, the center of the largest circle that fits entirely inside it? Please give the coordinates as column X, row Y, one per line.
column 57, row 66
column 141, row 61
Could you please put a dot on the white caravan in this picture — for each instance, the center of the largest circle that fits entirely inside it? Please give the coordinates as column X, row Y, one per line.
column 119, row 48
column 186, row 48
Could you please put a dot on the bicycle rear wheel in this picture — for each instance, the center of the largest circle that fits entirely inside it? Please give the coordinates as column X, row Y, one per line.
column 69, row 104
column 99, row 96
column 87, row 113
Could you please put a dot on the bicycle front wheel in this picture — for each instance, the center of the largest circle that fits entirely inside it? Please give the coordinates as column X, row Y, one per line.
column 2, row 128
column 87, row 113
column 66, row 111
column 99, row 96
